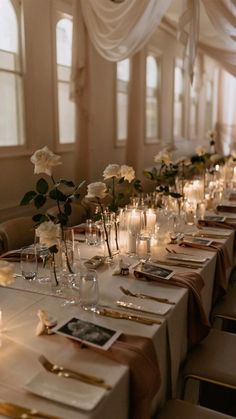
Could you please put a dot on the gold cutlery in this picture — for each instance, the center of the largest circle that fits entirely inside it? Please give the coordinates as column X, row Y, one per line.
column 19, row 412
column 146, row 296
column 182, row 264
column 68, row 373
column 136, row 307
column 210, row 235
column 125, row 316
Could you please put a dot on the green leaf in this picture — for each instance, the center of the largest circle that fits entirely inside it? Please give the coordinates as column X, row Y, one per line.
column 148, row 175
column 42, row 186
column 53, row 249
column 63, row 219
column 57, row 195
column 68, row 183
column 28, row 197
column 39, row 200
column 40, row 218
column 51, row 217
column 67, row 208
column 121, row 180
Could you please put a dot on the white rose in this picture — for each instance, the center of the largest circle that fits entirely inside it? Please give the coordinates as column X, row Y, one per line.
column 6, row 273
column 201, row 150
column 112, row 170
column 127, row 172
column 43, row 160
column 163, row 156
column 233, row 154
column 97, row 190
column 48, row 233
column 215, row 157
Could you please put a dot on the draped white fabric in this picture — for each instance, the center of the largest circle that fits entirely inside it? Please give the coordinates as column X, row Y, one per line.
column 223, row 16
column 119, row 30
column 188, row 32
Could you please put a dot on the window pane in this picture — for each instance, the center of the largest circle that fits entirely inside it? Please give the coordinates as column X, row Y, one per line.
column 178, row 114
column 151, row 117
column 151, row 98
column 122, row 86
column 178, row 101
column 66, row 114
column 151, row 72
column 11, row 110
column 179, row 83
column 64, row 42
column 123, row 70
column 122, row 116
column 8, row 27
column 193, row 120
column 66, row 108
column 8, row 60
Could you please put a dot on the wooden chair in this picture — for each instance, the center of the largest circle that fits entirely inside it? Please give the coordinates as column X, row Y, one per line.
column 179, row 409
column 212, row 360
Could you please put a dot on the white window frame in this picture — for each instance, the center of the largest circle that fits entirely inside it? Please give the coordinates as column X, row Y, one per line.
column 61, row 10
column 158, row 57
column 120, row 142
column 19, row 149
column 179, row 63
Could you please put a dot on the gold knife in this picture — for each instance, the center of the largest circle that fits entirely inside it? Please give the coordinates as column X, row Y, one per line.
column 125, row 316
column 18, row 412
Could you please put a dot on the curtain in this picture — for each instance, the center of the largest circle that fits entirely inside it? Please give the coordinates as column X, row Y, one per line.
column 222, row 14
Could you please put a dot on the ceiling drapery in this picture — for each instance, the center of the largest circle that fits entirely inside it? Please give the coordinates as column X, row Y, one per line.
column 118, row 30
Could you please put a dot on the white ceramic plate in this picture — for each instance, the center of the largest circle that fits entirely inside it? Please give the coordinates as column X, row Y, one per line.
column 143, row 305
column 64, row 390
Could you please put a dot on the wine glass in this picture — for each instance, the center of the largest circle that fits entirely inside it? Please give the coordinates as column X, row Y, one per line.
column 29, row 263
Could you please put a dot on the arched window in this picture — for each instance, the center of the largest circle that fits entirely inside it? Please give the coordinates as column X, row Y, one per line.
column 152, row 98
column 11, row 83
column 179, row 99
column 193, row 110
column 66, row 108
column 209, row 105
column 122, row 96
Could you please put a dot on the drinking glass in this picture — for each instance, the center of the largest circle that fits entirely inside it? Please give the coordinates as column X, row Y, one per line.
column 91, row 233
column 29, row 263
column 88, row 289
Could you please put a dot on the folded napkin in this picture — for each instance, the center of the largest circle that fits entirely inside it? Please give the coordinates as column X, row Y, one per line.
column 221, row 224
column 222, row 263
column 15, row 256
column 226, row 208
column 11, row 255
column 139, row 354
column 79, row 229
column 198, row 324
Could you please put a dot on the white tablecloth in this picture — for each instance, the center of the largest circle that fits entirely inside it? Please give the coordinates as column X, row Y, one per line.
column 21, row 347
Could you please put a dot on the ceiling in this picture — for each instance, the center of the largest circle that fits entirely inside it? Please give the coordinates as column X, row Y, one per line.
column 208, row 34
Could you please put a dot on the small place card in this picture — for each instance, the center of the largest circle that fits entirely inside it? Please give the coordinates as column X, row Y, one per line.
column 197, row 241
column 88, row 333
column 157, row 271
column 216, row 218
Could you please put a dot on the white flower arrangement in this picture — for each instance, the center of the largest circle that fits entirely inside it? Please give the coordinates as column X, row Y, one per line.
column 6, row 273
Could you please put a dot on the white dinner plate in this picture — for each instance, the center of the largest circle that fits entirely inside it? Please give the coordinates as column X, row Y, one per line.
column 143, row 305
column 66, row 391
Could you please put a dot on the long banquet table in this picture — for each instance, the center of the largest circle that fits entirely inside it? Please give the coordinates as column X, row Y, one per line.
column 20, row 347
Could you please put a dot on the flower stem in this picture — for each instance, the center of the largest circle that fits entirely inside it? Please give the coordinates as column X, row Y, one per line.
column 105, row 229
column 62, row 231
column 54, row 268
column 114, row 206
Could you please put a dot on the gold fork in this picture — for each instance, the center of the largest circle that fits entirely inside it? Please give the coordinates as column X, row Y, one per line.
column 145, row 296
column 67, row 373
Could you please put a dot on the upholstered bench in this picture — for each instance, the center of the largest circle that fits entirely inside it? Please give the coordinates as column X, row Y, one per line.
column 179, row 409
